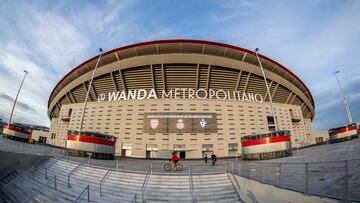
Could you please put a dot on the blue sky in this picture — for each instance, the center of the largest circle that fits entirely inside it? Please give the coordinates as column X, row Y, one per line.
column 49, row 38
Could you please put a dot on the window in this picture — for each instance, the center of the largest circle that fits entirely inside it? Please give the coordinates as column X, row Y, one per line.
column 69, row 112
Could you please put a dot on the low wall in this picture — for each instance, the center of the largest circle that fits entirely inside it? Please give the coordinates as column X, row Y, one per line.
column 270, row 194
column 26, row 160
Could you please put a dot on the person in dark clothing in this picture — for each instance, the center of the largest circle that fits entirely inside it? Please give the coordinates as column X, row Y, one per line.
column 206, row 158
column 214, row 159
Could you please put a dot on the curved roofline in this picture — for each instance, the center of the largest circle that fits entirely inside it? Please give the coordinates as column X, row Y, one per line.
column 179, row 41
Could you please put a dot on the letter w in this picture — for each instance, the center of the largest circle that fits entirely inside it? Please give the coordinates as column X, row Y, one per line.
column 113, row 96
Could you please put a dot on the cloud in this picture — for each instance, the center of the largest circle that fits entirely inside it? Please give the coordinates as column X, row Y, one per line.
column 20, row 104
column 311, row 38
column 45, row 44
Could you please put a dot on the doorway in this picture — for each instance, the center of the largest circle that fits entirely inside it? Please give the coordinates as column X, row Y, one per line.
column 182, row 155
column 208, row 153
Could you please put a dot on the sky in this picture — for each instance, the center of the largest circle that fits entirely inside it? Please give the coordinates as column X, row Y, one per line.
column 312, row 38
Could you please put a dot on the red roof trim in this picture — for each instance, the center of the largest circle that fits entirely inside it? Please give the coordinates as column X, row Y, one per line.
column 179, row 41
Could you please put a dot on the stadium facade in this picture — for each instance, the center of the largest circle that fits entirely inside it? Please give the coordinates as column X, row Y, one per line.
column 191, row 96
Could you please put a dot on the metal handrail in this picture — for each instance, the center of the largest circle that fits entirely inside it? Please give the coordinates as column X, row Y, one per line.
column 74, row 170
column 146, row 180
column 191, row 186
column 134, row 199
column 86, row 189
column 252, row 196
column 11, row 166
column 39, row 189
column 24, row 174
column 107, row 175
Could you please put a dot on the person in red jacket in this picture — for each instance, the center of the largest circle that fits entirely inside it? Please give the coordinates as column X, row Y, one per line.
column 174, row 158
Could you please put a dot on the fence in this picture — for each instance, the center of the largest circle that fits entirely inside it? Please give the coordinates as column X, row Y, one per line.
column 337, row 179
column 26, row 148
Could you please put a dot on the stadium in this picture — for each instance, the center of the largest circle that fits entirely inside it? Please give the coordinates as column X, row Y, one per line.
column 194, row 97
column 191, row 96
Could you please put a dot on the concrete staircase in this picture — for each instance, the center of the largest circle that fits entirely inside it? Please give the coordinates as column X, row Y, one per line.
column 207, row 188
column 8, row 178
column 120, row 186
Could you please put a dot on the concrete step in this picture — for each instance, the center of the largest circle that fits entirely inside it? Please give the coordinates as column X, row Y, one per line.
column 120, row 186
column 8, row 178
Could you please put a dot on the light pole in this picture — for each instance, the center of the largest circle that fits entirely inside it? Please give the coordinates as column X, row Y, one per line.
column 88, row 90
column 12, row 111
column 267, row 89
column 344, row 98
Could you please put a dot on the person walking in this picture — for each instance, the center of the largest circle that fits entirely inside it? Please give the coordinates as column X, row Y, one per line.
column 206, row 158
column 213, row 158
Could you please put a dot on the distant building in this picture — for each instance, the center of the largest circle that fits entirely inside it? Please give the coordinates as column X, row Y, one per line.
column 320, row 137
column 1, row 125
column 41, row 136
column 33, row 127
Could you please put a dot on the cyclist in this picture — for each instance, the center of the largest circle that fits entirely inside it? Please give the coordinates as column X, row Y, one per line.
column 174, row 158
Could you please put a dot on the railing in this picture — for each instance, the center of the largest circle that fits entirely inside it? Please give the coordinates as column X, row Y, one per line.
column 9, row 168
column 108, row 174
column 335, row 179
column 134, row 199
column 229, row 167
column 235, row 184
column 25, row 173
column 74, row 170
column 146, row 180
column 37, row 191
column 191, row 186
column 86, row 190
column 15, row 146
column 252, row 196
column 2, row 190
column 46, row 169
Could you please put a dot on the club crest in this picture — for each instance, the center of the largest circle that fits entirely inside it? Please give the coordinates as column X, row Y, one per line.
column 203, row 123
column 154, row 123
column 180, row 124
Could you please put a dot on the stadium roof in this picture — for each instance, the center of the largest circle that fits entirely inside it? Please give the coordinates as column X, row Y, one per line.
column 181, row 46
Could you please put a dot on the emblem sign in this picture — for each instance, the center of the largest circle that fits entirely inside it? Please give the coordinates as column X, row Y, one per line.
column 175, row 122
column 203, row 123
column 154, row 123
column 180, row 124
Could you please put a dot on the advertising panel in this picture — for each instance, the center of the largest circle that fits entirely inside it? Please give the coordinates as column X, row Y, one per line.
column 180, row 123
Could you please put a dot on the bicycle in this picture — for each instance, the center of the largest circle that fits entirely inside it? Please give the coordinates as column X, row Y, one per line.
column 171, row 166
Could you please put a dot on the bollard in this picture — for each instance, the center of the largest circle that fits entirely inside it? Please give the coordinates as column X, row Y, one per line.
column 89, row 160
column 117, row 164
column 232, row 167
column 346, row 180
column 306, row 178
column 262, row 172
column 88, row 193
column 279, row 174
column 67, row 160
column 55, row 183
